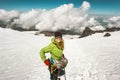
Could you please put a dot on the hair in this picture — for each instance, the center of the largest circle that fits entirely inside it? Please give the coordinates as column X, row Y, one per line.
column 58, row 34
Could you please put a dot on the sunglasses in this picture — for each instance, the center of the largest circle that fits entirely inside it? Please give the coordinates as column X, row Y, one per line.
column 58, row 37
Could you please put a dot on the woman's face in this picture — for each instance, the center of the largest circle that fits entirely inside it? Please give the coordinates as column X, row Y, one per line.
column 58, row 39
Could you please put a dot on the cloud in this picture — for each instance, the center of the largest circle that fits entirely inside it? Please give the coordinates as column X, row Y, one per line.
column 115, row 18
column 64, row 17
column 29, row 19
column 6, row 16
column 94, row 25
column 114, row 21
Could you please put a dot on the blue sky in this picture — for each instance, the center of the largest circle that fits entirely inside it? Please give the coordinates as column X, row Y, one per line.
column 97, row 6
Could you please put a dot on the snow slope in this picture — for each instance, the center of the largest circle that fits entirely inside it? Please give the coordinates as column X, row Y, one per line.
column 90, row 58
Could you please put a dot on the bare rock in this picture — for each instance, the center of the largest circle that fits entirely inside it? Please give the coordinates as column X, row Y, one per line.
column 107, row 35
column 87, row 31
column 112, row 29
column 47, row 33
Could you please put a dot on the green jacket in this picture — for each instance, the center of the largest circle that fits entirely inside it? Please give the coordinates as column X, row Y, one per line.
column 56, row 53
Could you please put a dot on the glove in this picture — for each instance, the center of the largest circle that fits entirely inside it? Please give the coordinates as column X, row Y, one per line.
column 47, row 62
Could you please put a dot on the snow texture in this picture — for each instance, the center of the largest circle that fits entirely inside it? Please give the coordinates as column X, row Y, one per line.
column 90, row 58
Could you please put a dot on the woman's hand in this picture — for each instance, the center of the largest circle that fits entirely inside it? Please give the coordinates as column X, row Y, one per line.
column 47, row 62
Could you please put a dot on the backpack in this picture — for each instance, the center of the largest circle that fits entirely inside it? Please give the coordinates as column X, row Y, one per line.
column 62, row 63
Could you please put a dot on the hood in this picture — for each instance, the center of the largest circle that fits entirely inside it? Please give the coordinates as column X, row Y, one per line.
column 53, row 40
column 59, row 45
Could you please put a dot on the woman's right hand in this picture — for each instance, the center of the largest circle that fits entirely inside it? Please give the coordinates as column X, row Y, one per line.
column 47, row 62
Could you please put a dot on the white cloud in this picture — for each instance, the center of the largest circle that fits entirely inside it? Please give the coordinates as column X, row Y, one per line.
column 92, row 22
column 114, row 21
column 115, row 18
column 6, row 16
column 94, row 25
column 64, row 17
column 29, row 19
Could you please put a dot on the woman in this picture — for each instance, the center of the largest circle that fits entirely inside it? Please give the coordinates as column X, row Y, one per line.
column 57, row 62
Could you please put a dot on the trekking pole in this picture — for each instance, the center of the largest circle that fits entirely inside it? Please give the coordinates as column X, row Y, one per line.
column 65, row 75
